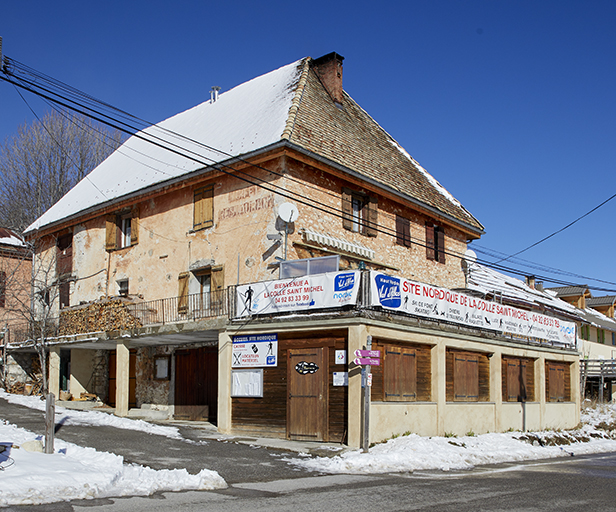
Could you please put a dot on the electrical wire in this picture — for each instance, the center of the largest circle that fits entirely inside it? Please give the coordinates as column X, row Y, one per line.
column 131, row 129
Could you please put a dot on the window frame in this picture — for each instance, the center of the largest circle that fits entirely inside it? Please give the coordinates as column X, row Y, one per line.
column 115, row 226
column 518, row 379
column 362, row 220
column 558, row 381
column 435, row 242
column 403, row 231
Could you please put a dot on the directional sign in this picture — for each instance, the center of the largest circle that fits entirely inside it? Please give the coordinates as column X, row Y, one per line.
column 368, row 353
column 370, row 361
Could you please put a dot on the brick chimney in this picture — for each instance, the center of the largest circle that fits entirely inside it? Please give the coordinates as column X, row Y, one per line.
column 329, row 70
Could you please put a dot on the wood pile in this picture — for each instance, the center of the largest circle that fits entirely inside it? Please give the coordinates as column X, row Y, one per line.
column 104, row 315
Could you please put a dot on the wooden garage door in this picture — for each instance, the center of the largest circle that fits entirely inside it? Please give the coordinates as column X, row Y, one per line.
column 307, row 399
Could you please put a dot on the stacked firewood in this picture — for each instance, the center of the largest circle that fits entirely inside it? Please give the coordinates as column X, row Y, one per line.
column 104, row 315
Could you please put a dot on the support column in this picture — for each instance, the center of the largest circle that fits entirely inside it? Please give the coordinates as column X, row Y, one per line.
column 225, row 353
column 575, row 388
column 53, row 381
column 122, row 378
column 496, row 394
column 356, row 340
column 439, row 384
column 540, row 389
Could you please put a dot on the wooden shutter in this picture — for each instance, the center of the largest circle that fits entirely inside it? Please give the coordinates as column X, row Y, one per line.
column 204, row 208
column 217, row 284
column 2, row 289
column 372, row 217
column 134, row 227
column 111, row 233
column 347, row 209
column 400, row 374
column 183, row 292
column 558, row 386
column 466, row 377
column 430, row 248
column 440, row 244
column 403, row 231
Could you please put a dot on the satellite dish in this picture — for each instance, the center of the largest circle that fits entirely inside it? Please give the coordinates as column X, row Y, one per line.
column 288, row 212
column 470, row 256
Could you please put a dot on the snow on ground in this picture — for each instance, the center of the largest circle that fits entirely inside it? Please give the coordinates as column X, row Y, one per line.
column 413, row 453
column 74, row 472
column 71, row 417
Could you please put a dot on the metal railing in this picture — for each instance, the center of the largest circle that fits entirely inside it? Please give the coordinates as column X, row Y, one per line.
column 178, row 309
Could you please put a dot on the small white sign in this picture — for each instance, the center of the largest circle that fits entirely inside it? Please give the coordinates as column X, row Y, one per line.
column 255, row 350
column 340, row 356
column 341, row 378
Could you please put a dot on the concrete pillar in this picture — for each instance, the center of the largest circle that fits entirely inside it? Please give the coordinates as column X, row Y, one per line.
column 540, row 389
column 225, row 354
column 357, row 341
column 439, row 384
column 575, row 389
column 122, row 378
column 53, row 381
column 496, row 394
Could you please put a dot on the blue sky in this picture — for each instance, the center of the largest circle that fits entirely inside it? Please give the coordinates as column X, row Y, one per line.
column 511, row 105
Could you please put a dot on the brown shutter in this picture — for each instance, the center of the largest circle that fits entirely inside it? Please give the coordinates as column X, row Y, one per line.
column 217, row 284
column 440, row 244
column 111, row 233
column 372, row 217
column 403, row 231
column 134, row 227
column 347, row 209
column 204, row 208
column 2, row 289
column 430, row 252
column 466, row 377
column 183, row 292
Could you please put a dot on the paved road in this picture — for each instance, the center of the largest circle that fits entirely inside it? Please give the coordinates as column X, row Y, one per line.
column 260, row 481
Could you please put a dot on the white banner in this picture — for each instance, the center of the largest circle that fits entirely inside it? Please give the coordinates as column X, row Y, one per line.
column 333, row 289
column 255, row 350
column 427, row 301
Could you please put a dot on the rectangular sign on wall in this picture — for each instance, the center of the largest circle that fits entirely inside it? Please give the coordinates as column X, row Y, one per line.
column 332, row 289
column 255, row 350
column 428, row 301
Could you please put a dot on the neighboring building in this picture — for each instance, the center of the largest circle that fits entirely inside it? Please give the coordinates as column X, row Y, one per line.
column 15, row 279
column 167, row 261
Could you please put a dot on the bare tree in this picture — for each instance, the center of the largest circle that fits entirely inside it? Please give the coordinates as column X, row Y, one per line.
column 44, row 160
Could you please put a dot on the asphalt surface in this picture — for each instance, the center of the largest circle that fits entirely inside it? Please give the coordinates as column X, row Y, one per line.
column 235, row 459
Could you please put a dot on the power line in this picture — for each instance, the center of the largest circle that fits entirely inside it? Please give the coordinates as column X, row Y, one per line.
column 165, row 144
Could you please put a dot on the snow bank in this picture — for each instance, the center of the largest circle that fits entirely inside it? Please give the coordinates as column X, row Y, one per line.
column 74, row 472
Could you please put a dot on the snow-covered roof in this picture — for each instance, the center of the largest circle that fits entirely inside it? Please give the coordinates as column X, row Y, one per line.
column 250, row 116
column 288, row 105
column 597, row 319
column 487, row 281
column 8, row 237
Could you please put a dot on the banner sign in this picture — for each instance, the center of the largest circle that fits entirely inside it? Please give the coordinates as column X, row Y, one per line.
column 428, row 301
column 255, row 350
column 333, row 289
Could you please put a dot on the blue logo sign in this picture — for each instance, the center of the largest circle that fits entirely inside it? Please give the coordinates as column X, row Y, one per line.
column 270, row 360
column 389, row 291
column 344, row 282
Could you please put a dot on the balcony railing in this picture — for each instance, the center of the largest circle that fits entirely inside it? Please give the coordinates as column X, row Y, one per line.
column 178, row 309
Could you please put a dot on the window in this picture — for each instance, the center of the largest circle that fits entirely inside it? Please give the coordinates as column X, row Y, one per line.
column 403, row 231
column 614, row 338
column 435, row 242
column 125, row 232
column 201, row 293
column 600, row 336
column 122, row 287
column 64, row 294
column 122, row 230
column 518, row 379
column 405, row 373
column 64, row 254
column 585, row 332
column 468, row 376
column 558, row 385
column 204, row 208
column 2, row 289
column 359, row 213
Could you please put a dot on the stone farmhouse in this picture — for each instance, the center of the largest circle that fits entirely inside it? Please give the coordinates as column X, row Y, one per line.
column 227, row 263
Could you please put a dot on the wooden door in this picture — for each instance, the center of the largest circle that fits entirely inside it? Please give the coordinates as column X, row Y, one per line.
column 307, row 373
column 196, row 384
